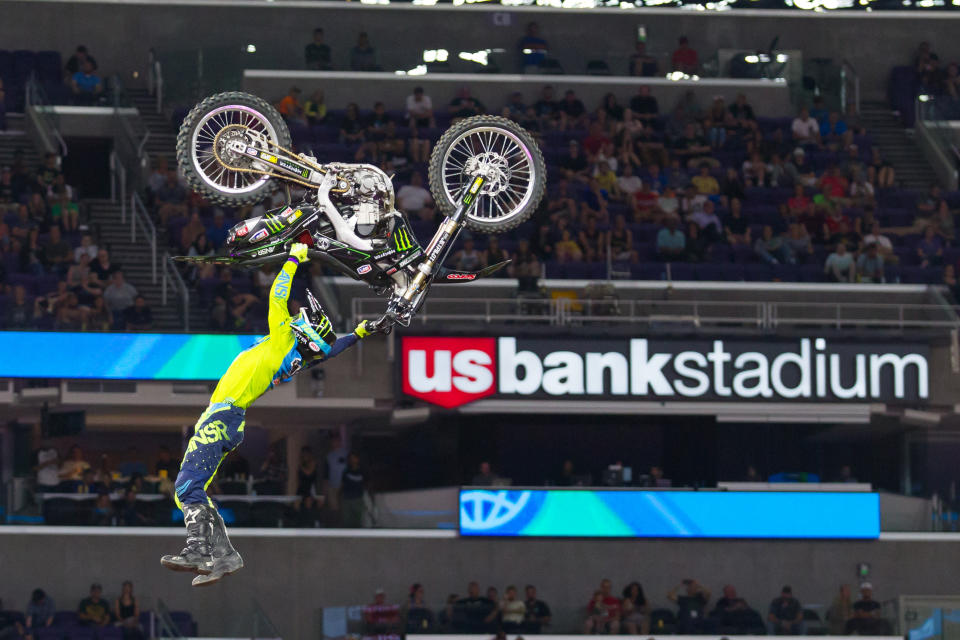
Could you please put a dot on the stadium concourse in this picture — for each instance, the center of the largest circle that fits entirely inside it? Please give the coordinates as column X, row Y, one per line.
column 715, row 392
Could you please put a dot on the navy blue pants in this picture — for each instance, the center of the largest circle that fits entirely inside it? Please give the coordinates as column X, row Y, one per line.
column 218, row 432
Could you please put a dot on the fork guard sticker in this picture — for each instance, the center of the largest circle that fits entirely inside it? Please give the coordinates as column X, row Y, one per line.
column 259, row 235
column 364, row 268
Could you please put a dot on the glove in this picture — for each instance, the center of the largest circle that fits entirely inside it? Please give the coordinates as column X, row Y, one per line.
column 362, row 331
column 299, row 251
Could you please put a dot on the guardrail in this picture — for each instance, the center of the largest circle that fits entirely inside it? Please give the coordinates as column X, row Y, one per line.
column 43, row 118
column 695, row 313
column 138, row 212
column 172, row 279
column 848, row 73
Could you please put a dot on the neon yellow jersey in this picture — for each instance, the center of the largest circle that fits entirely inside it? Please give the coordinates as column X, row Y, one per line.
column 272, row 359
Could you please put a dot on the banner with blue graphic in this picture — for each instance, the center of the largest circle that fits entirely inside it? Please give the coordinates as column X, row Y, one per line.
column 628, row 513
column 118, row 356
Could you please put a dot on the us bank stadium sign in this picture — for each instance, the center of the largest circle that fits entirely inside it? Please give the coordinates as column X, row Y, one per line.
column 451, row 372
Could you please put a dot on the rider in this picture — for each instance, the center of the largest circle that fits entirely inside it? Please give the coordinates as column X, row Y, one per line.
column 294, row 343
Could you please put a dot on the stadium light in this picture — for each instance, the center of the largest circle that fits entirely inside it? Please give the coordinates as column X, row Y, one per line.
column 251, row 48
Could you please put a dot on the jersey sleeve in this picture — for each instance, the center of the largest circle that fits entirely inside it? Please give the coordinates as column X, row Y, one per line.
column 342, row 344
column 277, row 312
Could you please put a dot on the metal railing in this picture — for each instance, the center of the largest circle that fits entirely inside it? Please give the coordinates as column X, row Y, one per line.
column 849, row 75
column 939, row 139
column 766, row 316
column 118, row 184
column 172, row 280
column 44, row 118
column 140, row 217
column 155, row 79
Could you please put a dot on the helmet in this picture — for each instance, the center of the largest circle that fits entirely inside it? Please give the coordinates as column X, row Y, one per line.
column 312, row 330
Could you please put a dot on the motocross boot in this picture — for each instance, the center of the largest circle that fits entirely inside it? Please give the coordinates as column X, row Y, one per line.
column 225, row 559
column 196, row 556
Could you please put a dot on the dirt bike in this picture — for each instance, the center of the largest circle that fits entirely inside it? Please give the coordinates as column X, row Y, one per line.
column 486, row 174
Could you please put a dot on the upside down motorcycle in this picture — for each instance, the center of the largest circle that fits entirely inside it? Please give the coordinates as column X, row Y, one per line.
column 486, row 174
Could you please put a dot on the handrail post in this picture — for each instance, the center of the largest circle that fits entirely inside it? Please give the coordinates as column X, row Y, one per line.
column 123, row 193
column 153, row 259
column 163, row 283
column 133, row 219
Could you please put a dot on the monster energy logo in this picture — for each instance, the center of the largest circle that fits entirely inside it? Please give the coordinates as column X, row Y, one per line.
column 402, row 240
column 273, row 224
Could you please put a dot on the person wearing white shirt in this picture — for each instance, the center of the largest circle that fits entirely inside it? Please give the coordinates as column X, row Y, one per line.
column 628, row 182
column 86, row 247
column 805, row 129
column 420, row 109
column 48, row 469
column 413, row 199
column 884, row 245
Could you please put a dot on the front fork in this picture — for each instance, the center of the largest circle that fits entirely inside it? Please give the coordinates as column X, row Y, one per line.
column 401, row 307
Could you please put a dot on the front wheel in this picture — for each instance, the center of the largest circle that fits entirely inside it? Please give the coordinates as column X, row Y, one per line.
column 506, row 155
column 208, row 136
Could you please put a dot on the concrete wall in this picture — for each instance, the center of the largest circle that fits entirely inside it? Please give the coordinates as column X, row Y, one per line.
column 120, row 35
column 293, row 577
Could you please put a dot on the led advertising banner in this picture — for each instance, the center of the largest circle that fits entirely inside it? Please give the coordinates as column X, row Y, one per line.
column 118, row 356
column 451, row 372
column 624, row 513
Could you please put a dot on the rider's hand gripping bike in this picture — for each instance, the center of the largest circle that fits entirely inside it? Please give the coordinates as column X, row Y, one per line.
column 486, row 174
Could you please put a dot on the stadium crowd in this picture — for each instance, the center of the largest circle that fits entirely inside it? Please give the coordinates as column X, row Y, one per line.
column 95, row 616
column 691, row 612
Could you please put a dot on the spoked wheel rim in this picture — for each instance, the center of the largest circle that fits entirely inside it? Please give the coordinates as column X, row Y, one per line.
column 219, row 127
column 505, row 161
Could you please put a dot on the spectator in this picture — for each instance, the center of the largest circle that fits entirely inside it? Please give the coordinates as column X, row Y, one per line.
column 839, row 266
column 316, row 55
column 40, row 610
column 307, row 473
column 171, row 198
column 866, row 618
column 126, row 611
column 840, row 612
column 476, row 613
column 218, row 231
column 494, row 253
column 805, row 129
column 119, row 295
column 642, row 63
column 732, row 612
column 870, row 265
column 139, row 317
column 10, row 627
column 87, row 483
column 363, row 57
column 94, row 610
column 512, row 611
column 707, row 220
column 74, row 466
column 291, row 108
column 693, row 149
column 533, row 48
column 75, row 61
column 574, row 164
column 415, row 200
column 697, row 243
column 376, row 122
column 704, row 182
column 685, row 57
column 834, row 132
column 538, row 613
column 566, row 248
column 131, row 514
column 742, row 111
column 881, row 170
column 417, row 616
column 379, row 617
column 634, row 605
column 882, row 243
column 644, row 106
column 468, row 258
column 732, row 187
column 86, row 84
column 736, row 230
column 102, row 514
column 351, row 128
column 465, row 105
column 799, row 202
column 315, row 108
column 18, row 314
column 692, row 599
column 524, row 265
column 485, row 477
column 420, row 109
column 671, row 243
column 603, row 611
column 772, row 249
column 798, row 241
column 785, row 617
column 166, row 465
column 48, row 469
column 930, row 248
column 87, row 247
column 352, row 489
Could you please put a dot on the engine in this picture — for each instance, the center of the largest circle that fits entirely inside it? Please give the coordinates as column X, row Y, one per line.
column 364, row 196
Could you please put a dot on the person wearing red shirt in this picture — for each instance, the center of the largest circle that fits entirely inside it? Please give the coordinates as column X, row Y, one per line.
column 379, row 617
column 834, row 182
column 595, row 141
column 603, row 611
column 685, row 58
column 799, row 202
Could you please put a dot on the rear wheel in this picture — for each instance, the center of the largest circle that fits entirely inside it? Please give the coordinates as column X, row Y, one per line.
column 506, row 155
column 205, row 140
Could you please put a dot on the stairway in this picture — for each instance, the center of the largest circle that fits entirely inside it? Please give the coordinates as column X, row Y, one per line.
column 134, row 260
column 15, row 139
column 163, row 135
column 913, row 170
